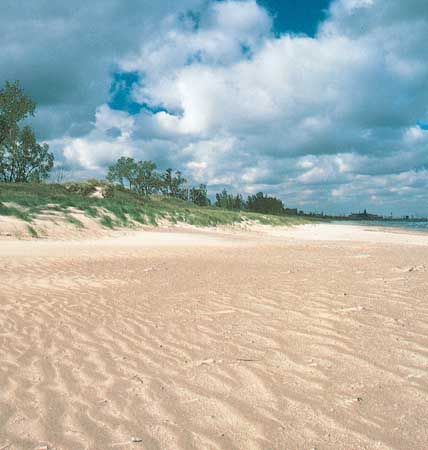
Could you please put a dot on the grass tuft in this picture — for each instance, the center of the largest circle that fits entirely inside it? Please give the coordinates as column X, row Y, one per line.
column 14, row 212
column 32, row 231
column 73, row 221
column 106, row 221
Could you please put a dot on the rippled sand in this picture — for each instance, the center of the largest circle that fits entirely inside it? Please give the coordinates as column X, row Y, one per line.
column 204, row 341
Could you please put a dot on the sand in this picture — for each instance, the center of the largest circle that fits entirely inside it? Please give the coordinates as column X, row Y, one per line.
column 309, row 338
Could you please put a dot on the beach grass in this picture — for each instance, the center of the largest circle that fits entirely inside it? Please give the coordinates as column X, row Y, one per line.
column 32, row 232
column 122, row 208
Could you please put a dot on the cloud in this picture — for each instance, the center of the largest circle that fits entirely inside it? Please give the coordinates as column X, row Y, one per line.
column 108, row 141
column 64, row 52
column 313, row 85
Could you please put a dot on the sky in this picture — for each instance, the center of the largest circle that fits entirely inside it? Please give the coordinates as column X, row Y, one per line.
column 321, row 103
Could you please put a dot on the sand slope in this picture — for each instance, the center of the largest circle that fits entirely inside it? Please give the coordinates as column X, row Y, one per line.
column 182, row 341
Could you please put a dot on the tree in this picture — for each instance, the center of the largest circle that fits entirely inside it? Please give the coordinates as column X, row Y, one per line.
column 139, row 176
column 22, row 159
column 26, row 160
column 14, row 107
column 264, row 204
column 173, row 184
column 147, row 180
column 199, row 195
column 123, row 171
column 228, row 201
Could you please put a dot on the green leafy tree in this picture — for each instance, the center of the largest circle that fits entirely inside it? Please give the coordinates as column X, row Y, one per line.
column 173, row 184
column 138, row 176
column 228, row 201
column 199, row 195
column 238, row 202
column 264, row 204
column 22, row 159
column 222, row 199
column 166, row 182
column 14, row 107
column 147, row 180
column 124, row 172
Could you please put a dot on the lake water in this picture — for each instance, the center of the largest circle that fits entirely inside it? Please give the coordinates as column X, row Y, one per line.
column 404, row 224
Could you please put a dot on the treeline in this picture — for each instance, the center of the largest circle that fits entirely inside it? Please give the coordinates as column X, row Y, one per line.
column 259, row 202
column 143, row 178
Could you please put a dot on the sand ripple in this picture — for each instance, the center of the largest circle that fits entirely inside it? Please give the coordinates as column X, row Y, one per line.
column 258, row 346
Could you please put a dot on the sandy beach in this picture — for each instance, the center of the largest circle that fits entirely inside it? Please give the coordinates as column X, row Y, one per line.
column 314, row 337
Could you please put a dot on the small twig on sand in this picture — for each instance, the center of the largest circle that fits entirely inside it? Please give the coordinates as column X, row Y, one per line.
column 248, row 360
column 5, row 446
column 134, row 440
column 138, row 378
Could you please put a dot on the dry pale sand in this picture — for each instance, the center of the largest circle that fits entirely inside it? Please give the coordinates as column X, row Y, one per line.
column 315, row 337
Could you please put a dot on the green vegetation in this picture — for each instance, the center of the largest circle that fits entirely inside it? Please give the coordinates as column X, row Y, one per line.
column 122, row 208
column 143, row 178
column 12, row 211
column 263, row 203
column 32, row 231
column 229, row 201
column 73, row 221
column 22, row 159
column 107, row 221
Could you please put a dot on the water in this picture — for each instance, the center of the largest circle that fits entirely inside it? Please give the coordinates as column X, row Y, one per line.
column 404, row 224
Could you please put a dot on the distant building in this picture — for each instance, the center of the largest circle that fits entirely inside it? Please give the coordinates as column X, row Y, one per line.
column 291, row 211
column 364, row 216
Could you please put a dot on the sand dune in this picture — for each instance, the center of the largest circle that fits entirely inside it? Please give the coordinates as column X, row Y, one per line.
column 294, row 340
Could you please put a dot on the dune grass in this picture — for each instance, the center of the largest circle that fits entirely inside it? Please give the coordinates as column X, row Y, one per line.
column 121, row 209
column 32, row 232
column 73, row 221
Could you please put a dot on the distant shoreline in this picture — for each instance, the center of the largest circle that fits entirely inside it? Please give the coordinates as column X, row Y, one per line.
column 407, row 225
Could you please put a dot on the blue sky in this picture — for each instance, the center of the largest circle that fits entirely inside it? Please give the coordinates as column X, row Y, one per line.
column 324, row 104
column 121, row 90
column 297, row 16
